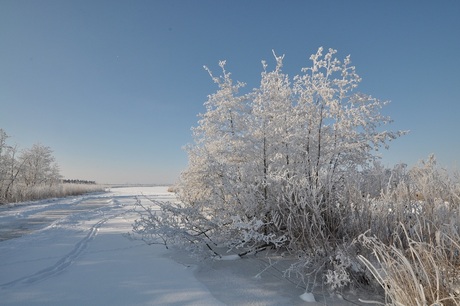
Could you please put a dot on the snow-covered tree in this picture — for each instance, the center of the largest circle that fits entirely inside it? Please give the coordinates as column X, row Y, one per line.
column 10, row 167
column 270, row 134
column 215, row 159
column 335, row 133
column 3, row 163
column 32, row 174
column 274, row 166
column 282, row 153
column 39, row 166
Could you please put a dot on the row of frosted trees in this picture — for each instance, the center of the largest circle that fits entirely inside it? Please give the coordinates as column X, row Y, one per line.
column 26, row 169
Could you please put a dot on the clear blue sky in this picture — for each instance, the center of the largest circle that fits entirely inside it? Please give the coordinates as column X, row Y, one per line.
column 113, row 87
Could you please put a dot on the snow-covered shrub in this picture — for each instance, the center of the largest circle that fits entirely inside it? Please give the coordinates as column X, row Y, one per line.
column 283, row 165
column 252, row 237
column 426, row 192
column 291, row 165
column 338, row 277
column 343, row 267
column 176, row 224
column 282, row 153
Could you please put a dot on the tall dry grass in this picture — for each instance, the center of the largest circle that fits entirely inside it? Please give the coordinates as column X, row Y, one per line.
column 412, row 246
column 32, row 193
column 417, row 269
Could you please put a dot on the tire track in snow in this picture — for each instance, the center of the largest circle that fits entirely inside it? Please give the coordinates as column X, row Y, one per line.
column 23, row 219
column 65, row 261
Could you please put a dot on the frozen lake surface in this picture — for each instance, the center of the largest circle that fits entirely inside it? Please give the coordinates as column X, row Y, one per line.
column 32, row 217
column 74, row 251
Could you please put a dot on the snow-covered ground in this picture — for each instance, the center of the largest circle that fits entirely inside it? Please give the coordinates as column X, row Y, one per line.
column 73, row 251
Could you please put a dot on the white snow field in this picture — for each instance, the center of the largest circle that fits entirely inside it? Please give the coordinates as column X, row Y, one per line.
column 73, row 251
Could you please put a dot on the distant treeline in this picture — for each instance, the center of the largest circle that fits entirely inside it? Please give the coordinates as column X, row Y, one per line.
column 79, row 182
